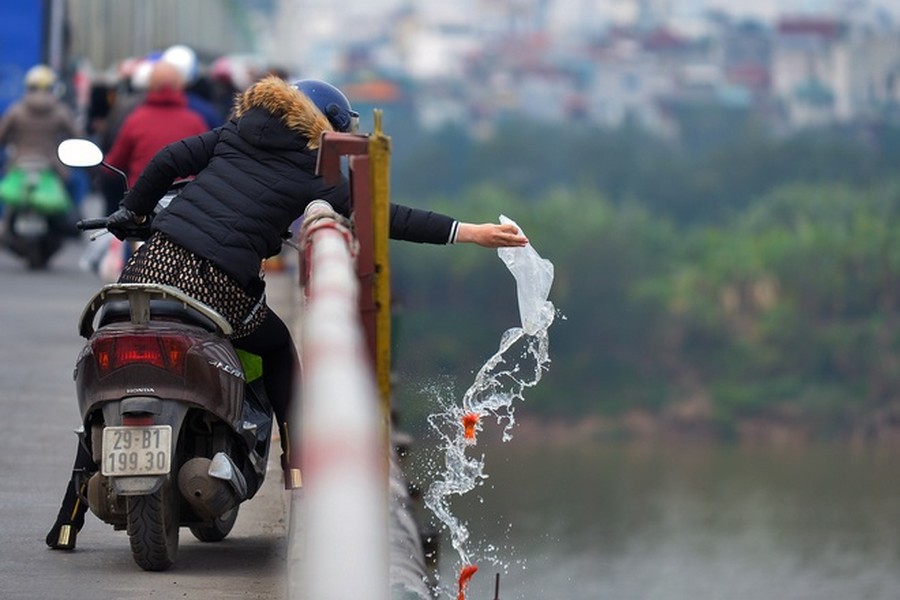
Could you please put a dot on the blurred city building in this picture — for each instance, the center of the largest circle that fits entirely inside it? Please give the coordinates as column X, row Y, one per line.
column 476, row 63
column 603, row 62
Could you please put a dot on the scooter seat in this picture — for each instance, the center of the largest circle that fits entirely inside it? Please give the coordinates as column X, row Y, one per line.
column 160, row 309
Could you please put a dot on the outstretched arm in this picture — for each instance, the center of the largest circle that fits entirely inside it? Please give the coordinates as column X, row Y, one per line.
column 490, row 235
column 417, row 225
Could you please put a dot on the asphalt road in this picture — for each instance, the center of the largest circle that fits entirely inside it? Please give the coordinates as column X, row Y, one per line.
column 38, row 347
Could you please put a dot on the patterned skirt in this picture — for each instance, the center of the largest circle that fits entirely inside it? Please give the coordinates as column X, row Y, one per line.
column 162, row 261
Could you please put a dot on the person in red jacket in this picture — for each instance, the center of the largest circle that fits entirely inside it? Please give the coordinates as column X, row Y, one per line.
column 162, row 118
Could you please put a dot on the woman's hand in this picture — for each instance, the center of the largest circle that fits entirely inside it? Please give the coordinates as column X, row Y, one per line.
column 490, row 235
column 124, row 223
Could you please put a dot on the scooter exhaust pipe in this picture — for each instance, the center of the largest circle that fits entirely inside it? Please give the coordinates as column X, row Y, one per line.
column 209, row 496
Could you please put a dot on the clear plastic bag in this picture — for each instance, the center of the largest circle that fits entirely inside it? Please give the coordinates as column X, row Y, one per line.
column 534, row 277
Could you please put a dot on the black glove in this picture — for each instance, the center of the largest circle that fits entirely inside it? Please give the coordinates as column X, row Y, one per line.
column 124, row 223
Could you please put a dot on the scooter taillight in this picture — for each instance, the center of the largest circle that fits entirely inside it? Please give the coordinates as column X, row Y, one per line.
column 165, row 352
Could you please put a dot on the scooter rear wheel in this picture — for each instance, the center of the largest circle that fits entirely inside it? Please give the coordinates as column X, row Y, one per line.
column 153, row 522
column 217, row 530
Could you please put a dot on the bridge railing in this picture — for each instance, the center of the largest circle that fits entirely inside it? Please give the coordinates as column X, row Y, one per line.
column 339, row 533
column 340, row 518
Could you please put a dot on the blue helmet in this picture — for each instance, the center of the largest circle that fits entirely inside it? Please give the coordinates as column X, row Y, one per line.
column 332, row 102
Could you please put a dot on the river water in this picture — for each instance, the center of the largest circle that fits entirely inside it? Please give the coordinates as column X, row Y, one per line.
column 592, row 521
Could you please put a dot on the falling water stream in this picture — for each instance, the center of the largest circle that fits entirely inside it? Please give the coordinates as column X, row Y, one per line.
column 517, row 365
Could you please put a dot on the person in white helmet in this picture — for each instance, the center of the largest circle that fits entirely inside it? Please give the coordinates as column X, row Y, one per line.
column 185, row 60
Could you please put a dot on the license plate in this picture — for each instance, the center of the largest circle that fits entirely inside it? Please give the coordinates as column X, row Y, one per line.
column 137, row 450
column 29, row 224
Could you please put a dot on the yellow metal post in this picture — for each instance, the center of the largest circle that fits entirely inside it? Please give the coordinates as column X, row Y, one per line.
column 380, row 162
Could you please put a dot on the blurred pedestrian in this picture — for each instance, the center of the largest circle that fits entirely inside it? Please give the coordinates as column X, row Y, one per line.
column 160, row 119
column 126, row 94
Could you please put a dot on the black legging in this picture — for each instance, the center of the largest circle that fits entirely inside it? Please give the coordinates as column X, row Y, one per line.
column 272, row 341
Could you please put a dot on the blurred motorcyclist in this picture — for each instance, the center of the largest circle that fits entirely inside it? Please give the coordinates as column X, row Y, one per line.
column 36, row 124
column 31, row 130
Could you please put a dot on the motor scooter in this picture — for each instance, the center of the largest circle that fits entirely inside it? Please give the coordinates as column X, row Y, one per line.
column 36, row 211
column 175, row 418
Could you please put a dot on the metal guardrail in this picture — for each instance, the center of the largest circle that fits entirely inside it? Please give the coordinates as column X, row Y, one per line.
column 338, row 530
column 353, row 531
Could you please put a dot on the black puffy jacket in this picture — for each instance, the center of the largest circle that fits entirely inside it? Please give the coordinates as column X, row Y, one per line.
column 254, row 176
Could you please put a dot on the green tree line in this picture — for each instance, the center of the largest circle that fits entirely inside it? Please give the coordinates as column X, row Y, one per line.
column 756, row 274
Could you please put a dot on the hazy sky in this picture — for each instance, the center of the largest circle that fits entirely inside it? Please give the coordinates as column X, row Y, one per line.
column 590, row 12
column 768, row 8
column 687, row 14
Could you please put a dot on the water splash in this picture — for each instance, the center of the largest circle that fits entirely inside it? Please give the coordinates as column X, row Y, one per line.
column 517, row 365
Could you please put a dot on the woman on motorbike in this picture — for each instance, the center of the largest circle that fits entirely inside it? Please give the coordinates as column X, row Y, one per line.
column 252, row 178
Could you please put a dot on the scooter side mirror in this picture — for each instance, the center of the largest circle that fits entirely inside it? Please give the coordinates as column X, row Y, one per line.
column 79, row 153
column 76, row 152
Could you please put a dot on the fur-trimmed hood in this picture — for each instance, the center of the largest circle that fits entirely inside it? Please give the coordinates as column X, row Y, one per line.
column 287, row 104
